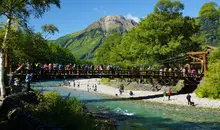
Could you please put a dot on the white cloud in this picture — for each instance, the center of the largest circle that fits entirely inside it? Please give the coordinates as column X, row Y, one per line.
column 129, row 16
column 95, row 9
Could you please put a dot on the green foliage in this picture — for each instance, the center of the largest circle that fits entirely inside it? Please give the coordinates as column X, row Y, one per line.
column 211, row 87
column 105, row 81
column 161, row 35
column 52, row 102
column 210, row 20
column 209, row 11
column 178, row 87
column 66, row 113
column 49, row 29
column 168, row 7
column 108, row 53
column 22, row 9
column 83, row 43
column 59, row 54
column 33, row 48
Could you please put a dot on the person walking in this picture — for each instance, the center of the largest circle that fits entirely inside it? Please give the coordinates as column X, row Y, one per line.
column 95, row 87
column 169, row 94
column 122, row 87
column 88, row 88
column 188, row 97
column 164, row 95
column 120, row 90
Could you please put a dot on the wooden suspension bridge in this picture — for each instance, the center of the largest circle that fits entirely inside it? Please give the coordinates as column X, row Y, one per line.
column 195, row 59
column 45, row 74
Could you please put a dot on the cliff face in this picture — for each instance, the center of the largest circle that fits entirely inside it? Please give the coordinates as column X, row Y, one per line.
column 84, row 43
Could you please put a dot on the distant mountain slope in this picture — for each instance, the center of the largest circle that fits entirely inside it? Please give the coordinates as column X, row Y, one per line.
column 84, row 43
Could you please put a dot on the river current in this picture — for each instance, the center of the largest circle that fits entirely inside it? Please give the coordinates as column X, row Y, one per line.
column 139, row 115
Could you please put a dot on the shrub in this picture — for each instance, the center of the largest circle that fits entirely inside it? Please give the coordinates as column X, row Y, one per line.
column 211, row 87
column 66, row 113
column 178, row 86
column 201, row 92
column 105, row 81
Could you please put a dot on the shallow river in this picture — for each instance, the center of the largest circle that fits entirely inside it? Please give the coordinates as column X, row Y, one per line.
column 137, row 115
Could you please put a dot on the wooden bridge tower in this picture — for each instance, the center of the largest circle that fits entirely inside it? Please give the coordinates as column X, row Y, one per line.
column 199, row 58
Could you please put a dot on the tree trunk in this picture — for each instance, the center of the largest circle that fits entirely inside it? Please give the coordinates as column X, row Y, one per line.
column 2, row 58
column 2, row 73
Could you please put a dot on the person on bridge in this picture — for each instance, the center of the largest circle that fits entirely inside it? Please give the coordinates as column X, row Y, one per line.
column 11, row 79
column 28, row 81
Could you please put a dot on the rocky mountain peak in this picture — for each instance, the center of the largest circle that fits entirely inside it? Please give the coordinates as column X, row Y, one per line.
column 109, row 23
column 112, row 18
column 84, row 43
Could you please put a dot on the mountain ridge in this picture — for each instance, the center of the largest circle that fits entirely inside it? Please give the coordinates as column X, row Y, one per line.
column 84, row 43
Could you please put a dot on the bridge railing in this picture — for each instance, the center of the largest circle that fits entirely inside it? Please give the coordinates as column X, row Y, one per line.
column 131, row 73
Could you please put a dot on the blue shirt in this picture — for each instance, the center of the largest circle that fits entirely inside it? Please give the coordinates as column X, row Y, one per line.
column 28, row 78
column 11, row 79
column 59, row 66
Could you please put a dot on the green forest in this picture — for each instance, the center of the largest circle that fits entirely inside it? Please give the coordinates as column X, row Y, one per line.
column 30, row 47
column 21, row 43
column 164, row 34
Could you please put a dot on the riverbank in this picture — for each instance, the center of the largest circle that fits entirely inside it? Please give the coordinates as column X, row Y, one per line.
column 149, row 96
column 49, row 110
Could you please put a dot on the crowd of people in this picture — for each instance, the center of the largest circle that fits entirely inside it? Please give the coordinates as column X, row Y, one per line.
column 87, row 68
column 184, row 71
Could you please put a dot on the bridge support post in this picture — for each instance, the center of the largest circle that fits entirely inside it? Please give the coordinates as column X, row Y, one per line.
column 204, row 64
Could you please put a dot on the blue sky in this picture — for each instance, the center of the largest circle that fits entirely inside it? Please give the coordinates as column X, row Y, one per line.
column 76, row 15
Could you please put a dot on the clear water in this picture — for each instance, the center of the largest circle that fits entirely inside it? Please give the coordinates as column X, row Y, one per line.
column 137, row 115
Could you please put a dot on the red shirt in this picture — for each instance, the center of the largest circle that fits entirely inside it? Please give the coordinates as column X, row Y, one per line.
column 169, row 94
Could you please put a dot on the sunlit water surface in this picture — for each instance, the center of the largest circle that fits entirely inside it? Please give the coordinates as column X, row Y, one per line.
column 131, row 115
